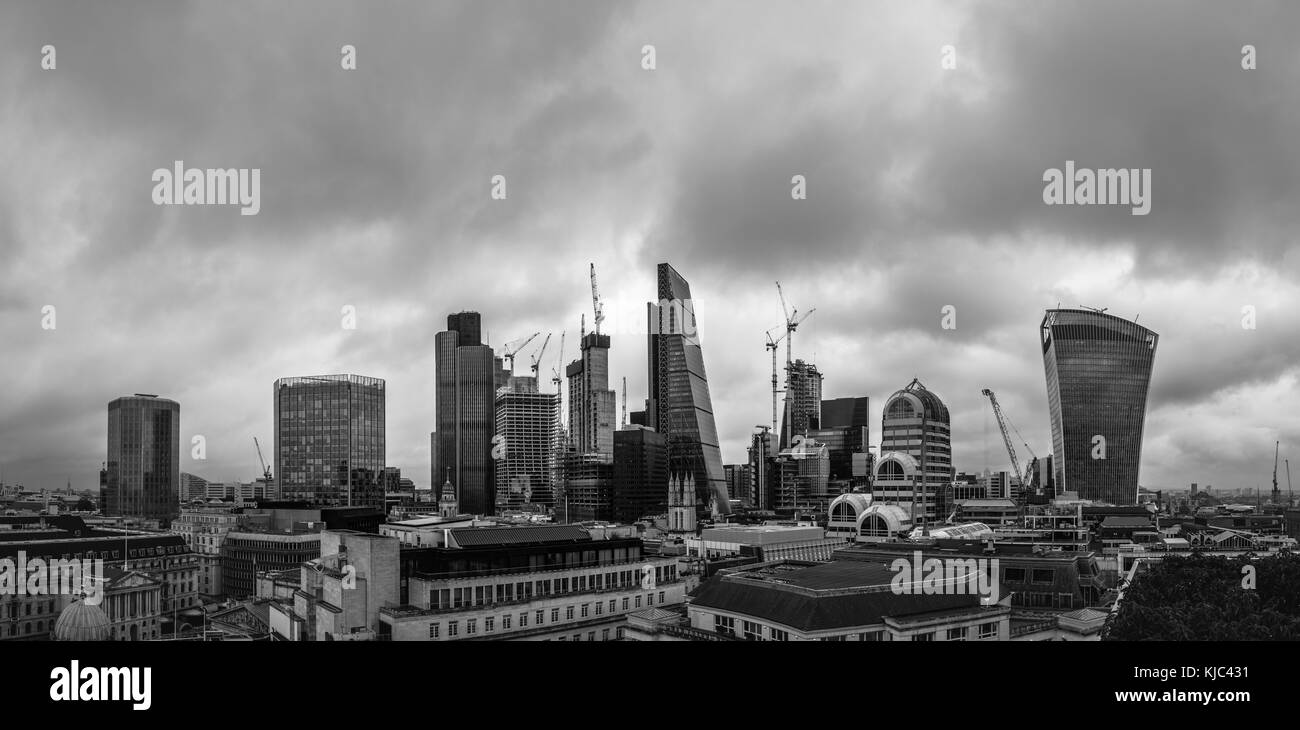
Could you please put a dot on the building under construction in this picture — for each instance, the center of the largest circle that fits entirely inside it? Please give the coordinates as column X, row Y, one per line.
column 527, row 424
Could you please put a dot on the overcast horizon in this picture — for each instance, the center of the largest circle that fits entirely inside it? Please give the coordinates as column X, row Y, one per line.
column 925, row 188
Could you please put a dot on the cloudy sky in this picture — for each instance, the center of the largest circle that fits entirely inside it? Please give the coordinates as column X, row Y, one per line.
column 924, row 189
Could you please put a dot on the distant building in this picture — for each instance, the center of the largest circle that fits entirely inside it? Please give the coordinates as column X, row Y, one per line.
column 329, row 440
column 762, row 469
column 640, row 473
column 802, row 475
column 587, row 489
column 845, row 429
column 204, row 529
column 803, row 401
column 527, row 426
column 591, row 402
column 916, row 422
column 467, row 374
column 193, row 487
column 1098, row 371
column 143, row 475
column 245, row 553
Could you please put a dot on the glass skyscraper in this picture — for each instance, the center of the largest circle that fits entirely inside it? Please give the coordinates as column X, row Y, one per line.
column 679, row 406
column 329, row 440
column 143, row 474
column 1098, row 371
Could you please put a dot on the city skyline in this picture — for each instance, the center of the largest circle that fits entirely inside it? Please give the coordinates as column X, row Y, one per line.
column 924, row 190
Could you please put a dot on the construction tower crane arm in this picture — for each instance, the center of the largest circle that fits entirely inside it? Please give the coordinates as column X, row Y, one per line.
column 789, row 316
column 1276, row 446
column 266, row 471
column 1006, row 437
column 537, row 357
column 559, row 363
column 596, row 304
column 510, row 352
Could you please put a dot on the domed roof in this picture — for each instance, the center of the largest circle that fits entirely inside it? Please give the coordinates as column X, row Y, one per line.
column 81, row 621
column 917, row 397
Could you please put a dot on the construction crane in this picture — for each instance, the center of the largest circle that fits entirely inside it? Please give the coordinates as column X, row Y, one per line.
column 1006, row 436
column 537, row 357
column 1290, row 497
column 596, row 303
column 624, row 423
column 772, row 346
column 792, row 321
column 559, row 362
column 512, row 351
column 1277, row 496
column 266, row 471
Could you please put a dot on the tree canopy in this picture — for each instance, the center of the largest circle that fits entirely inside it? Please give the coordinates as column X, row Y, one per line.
column 1204, row 598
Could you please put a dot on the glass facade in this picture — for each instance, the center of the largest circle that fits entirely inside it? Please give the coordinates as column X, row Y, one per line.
column 1098, row 370
column 680, row 406
column 329, row 440
column 143, row 474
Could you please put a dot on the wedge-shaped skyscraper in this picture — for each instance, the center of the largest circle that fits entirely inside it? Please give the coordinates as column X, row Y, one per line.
column 679, row 406
column 1098, row 371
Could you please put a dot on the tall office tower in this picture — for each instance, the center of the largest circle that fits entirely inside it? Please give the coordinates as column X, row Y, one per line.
column 466, row 373
column 804, row 392
column 329, row 440
column 916, row 422
column 640, row 473
column 679, row 406
column 143, row 474
column 846, row 431
column 526, row 423
column 1098, row 370
column 591, row 402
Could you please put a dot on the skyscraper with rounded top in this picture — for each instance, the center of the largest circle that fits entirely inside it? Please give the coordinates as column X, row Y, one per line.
column 1098, row 370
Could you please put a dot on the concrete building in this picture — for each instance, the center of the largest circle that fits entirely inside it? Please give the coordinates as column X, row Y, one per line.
column 204, row 529
column 142, row 476
column 245, row 553
column 340, row 594
column 527, row 425
column 532, row 583
column 836, row 601
column 915, row 422
column 803, row 401
column 591, row 402
column 765, row 543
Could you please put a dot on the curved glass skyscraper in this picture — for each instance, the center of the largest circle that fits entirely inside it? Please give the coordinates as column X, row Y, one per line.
column 1098, row 371
column 679, row 406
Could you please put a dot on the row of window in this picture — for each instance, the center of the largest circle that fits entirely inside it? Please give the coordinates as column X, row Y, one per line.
column 484, row 595
column 754, row 631
column 586, row 610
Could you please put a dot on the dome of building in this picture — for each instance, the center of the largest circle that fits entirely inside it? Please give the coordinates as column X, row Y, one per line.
column 883, row 521
column 846, row 508
column 916, row 401
column 896, row 466
column 81, row 621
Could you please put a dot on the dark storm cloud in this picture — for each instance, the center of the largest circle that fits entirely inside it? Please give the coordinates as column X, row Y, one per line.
column 924, row 190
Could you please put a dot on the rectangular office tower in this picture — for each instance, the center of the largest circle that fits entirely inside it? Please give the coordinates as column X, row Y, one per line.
column 527, row 424
column 143, row 475
column 679, row 406
column 640, row 473
column 591, row 402
column 466, row 375
column 1098, row 370
column 329, row 440
column 846, row 430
